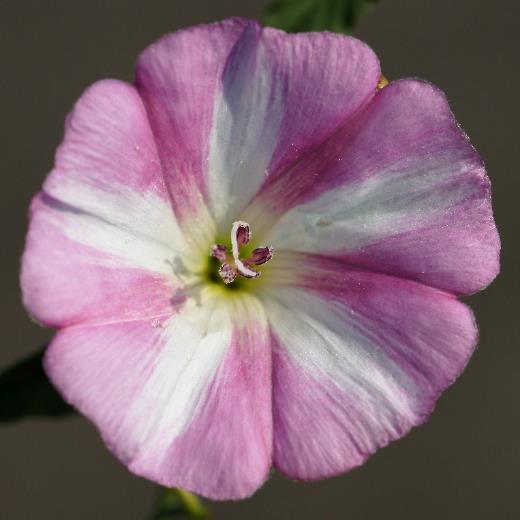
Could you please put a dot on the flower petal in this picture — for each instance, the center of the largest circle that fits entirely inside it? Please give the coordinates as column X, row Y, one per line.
column 184, row 401
column 102, row 236
column 177, row 78
column 108, row 159
column 359, row 359
column 281, row 96
column 79, row 269
column 247, row 104
column 402, row 193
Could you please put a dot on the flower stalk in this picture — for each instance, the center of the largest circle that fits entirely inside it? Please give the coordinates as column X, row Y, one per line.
column 175, row 502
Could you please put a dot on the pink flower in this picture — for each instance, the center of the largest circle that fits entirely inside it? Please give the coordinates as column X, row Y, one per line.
column 238, row 151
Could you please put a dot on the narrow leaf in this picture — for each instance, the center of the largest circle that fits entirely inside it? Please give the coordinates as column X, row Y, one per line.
column 25, row 391
column 316, row 15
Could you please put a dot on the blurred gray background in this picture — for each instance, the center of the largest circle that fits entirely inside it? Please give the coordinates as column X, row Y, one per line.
column 465, row 462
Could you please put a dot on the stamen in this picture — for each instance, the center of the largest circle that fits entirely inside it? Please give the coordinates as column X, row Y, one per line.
column 227, row 273
column 219, row 252
column 240, row 236
column 260, row 256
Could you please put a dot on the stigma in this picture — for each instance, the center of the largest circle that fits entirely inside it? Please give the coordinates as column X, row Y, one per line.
column 231, row 264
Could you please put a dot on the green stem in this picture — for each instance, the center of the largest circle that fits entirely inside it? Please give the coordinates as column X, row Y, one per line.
column 178, row 503
column 192, row 504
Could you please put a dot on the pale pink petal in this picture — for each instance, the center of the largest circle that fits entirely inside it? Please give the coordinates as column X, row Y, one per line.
column 183, row 400
column 77, row 269
column 226, row 452
column 102, row 237
column 359, row 359
column 178, row 77
column 326, row 78
column 281, row 96
column 402, row 192
column 108, row 156
column 232, row 102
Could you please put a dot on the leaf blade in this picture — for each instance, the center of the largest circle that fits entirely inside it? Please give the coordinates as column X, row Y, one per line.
column 316, row 15
column 25, row 391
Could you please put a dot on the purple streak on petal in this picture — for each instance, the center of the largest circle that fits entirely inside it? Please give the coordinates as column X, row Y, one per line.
column 445, row 236
column 180, row 88
column 115, row 375
column 409, row 119
column 106, row 164
column 225, row 453
column 66, row 283
column 327, row 78
column 323, row 429
column 178, row 78
column 314, row 424
column 404, row 311
column 459, row 253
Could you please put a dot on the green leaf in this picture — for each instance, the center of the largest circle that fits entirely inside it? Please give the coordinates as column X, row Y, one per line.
column 25, row 391
column 316, row 15
column 177, row 503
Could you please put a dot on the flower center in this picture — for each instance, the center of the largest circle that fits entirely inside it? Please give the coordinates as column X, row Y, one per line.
column 231, row 265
